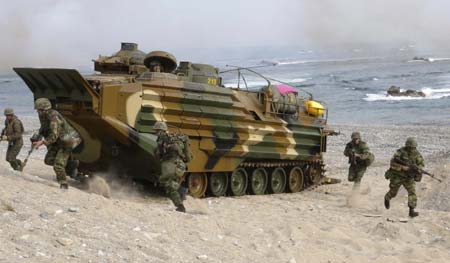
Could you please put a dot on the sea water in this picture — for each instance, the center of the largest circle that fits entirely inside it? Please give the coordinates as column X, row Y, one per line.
column 352, row 84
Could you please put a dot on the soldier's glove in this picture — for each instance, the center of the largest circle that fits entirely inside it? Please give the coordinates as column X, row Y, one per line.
column 405, row 168
column 4, row 138
column 357, row 156
column 38, row 144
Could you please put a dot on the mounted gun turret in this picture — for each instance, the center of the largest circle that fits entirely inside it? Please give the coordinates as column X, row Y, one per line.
column 128, row 60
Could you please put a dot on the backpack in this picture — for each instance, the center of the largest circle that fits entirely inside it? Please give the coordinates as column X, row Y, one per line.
column 369, row 159
column 184, row 149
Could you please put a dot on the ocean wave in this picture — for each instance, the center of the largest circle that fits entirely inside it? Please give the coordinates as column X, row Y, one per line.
column 430, row 91
column 261, row 83
column 251, row 84
column 295, row 62
column 430, row 94
column 398, row 76
column 359, row 80
column 284, row 62
column 365, row 79
column 440, row 59
column 298, row 80
column 430, row 59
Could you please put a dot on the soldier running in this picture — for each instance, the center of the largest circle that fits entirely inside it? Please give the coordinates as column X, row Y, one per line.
column 399, row 174
column 59, row 137
column 12, row 133
column 173, row 152
column 359, row 158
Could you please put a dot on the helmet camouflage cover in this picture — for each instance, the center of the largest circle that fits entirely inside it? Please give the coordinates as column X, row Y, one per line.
column 9, row 111
column 159, row 125
column 356, row 135
column 42, row 104
column 411, row 142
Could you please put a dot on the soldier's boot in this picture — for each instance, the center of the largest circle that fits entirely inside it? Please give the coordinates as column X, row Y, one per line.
column 18, row 165
column 183, row 192
column 181, row 208
column 21, row 165
column 413, row 213
column 15, row 165
column 387, row 204
column 64, row 186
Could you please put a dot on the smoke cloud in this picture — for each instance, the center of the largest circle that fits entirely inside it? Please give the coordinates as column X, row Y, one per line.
column 70, row 33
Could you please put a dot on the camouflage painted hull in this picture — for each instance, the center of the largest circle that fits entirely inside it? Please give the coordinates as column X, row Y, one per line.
column 239, row 145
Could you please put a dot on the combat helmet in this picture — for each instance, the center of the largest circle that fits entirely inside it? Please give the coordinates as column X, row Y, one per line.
column 356, row 135
column 411, row 142
column 167, row 61
column 42, row 104
column 9, row 111
column 159, row 125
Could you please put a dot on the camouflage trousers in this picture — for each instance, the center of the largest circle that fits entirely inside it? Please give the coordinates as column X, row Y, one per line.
column 408, row 183
column 12, row 152
column 57, row 157
column 172, row 171
column 355, row 173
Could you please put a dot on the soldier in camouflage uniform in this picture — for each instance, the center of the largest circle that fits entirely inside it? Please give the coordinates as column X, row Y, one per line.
column 399, row 174
column 358, row 155
column 12, row 133
column 173, row 152
column 156, row 66
column 59, row 137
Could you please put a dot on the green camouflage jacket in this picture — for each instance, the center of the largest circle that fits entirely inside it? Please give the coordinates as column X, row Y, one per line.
column 173, row 145
column 413, row 157
column 56, row 130
column 13, row 129
column 362, row 149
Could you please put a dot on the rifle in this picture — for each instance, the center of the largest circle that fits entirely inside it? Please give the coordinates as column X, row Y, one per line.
column 34, row 138
column 416, row 168
column 26, row 159
column 352, row 157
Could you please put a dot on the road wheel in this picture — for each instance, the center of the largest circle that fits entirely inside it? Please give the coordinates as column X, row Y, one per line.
column 238, row 182
column 218, row 184
column 314, row 174
column 259, row 181
column 197, row 184
column 278, row 180
column 296, row 179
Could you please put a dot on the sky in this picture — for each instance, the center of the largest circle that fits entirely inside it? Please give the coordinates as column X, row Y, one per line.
column 71, row 33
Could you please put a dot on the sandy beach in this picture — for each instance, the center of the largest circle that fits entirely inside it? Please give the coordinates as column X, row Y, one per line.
column 39, row 223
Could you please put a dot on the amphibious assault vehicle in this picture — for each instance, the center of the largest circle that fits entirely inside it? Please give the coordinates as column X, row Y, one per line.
column 243, row 141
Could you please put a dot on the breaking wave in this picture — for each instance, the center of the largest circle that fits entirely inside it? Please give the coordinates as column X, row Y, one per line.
column 261, row 83
column 431, row 94
column 295, row 62
column 252, row 84
column 430, row 59
column 287, row 61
